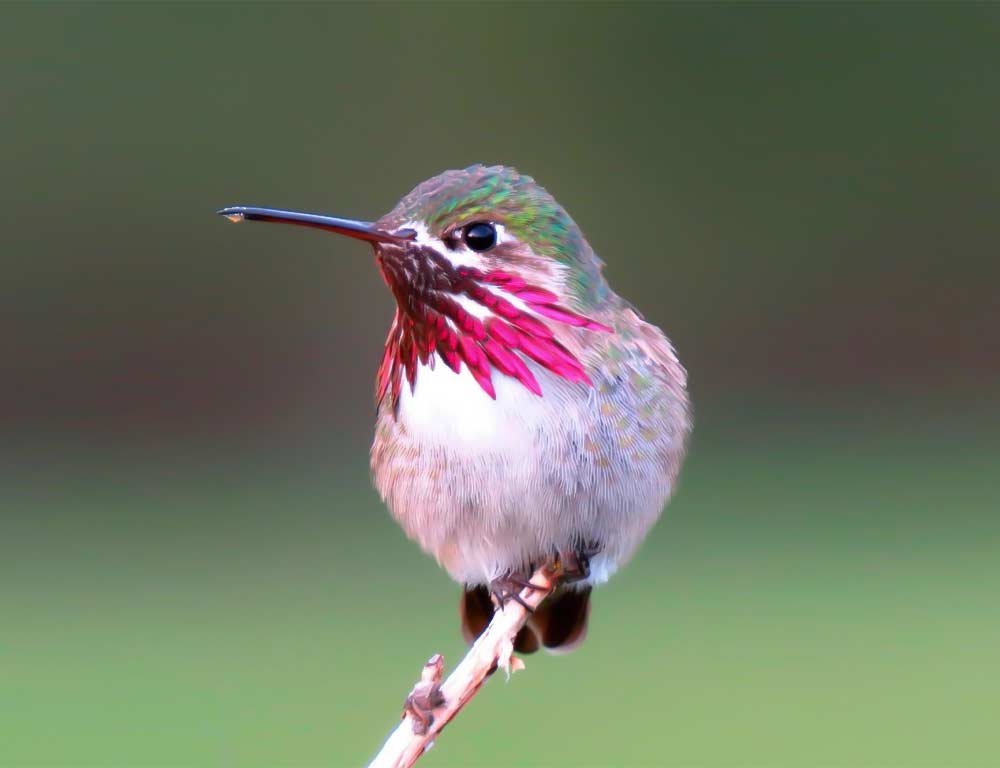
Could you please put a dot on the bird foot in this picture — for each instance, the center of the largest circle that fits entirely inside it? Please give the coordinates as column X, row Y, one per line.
column 509, row 587
column 426, row 695
column 572, row 565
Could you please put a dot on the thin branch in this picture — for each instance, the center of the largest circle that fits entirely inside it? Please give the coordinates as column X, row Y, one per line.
column 494, row 648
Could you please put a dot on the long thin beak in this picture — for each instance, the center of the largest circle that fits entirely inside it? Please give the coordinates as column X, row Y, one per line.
column 360, row 230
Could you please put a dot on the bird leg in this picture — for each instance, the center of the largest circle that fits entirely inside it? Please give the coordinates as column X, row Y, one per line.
column 509, row 587
column 572, row 565
column 566, row 565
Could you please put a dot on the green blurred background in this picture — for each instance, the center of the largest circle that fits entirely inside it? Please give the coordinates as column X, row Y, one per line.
column 194, row 569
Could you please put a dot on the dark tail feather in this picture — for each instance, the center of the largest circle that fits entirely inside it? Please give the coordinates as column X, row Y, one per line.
column 475, row 609
column 561, row 620
column 559, row 623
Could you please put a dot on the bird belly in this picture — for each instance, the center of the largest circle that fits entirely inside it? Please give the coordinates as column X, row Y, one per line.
column 492, row 486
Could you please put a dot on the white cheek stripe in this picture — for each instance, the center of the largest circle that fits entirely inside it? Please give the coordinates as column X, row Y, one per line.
column 458, row 257
column 464, row 257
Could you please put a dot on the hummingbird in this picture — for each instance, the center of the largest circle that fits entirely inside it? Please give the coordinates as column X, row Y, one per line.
column 526, row 413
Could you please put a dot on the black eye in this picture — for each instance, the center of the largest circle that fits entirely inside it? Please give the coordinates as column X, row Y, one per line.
column 481, row 236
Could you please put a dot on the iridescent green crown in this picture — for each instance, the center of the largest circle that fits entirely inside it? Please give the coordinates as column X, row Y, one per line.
column 527, row 211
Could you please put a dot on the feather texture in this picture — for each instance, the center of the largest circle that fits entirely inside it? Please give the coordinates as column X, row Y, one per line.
column 558, row 415
column 432, row 316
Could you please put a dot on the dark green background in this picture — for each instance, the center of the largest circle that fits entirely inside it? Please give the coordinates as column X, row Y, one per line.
column 194, row 569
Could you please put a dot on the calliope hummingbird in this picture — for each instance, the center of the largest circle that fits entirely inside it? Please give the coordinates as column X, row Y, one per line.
column 525, row 411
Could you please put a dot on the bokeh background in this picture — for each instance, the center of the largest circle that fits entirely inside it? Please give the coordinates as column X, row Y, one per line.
column 194, row 569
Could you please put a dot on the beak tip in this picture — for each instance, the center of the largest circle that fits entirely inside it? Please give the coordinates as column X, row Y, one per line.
column 360, row 230
column 233, row 213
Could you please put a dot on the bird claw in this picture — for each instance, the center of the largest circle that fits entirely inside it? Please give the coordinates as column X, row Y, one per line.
column 571, row 565
column 509, row 587
column 426, row 695
column 564, row 565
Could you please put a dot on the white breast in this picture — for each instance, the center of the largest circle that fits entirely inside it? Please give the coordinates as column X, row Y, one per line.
column 488, row 485
column 451, row 409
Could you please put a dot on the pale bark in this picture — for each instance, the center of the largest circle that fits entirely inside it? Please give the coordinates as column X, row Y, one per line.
column 494, row 648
